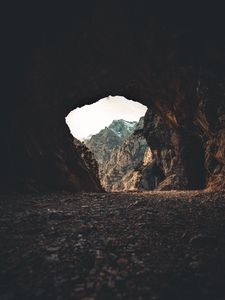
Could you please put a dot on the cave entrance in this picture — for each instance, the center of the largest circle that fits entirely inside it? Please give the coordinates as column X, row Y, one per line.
column 111, row 131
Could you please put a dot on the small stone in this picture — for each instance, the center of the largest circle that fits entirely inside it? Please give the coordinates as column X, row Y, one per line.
column 99, row 254
column 201, row 240
column 53, row 249
column 122, row 261
column 195, row 264
column 111, row 284
column 90, row 285
column 113, row 256
column 52, row 257
column 79, row 288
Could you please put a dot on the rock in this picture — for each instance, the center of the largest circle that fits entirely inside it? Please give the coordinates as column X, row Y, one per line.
column 123, row 170
column 122, row 261
column 52, row 258
column 145, row 246
column 108, row 139
column 195, row 264
column 89, row 160
column 53, row 248
column 124, row 165
column 202, row 240
column 113, row 256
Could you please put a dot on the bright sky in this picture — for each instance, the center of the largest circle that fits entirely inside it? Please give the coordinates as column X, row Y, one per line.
column 90, row 119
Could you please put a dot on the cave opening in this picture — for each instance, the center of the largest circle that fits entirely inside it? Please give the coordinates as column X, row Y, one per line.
column 129, row 147
column 90, row 119
column 61, row 235
column 111, row 131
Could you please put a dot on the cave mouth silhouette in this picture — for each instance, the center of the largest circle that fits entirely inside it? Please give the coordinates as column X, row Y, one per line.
column 109, row 132
column 171, row 64
column 90, row 119
column 89, row 245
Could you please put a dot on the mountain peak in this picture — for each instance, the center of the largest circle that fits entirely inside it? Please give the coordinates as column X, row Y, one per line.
column 122, row 128
column 124, row 122
column 109, row 138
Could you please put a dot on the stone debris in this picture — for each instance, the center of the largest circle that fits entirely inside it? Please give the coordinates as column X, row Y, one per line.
column 165, row 245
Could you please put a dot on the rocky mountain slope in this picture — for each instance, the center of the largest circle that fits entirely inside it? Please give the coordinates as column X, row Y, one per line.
column 125, row 160
column 126, row 169
column 123, row 169
column 109, row 138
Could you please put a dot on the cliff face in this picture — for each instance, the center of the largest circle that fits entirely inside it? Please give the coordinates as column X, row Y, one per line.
column 122, row 163
column 127, row 167
column 87, row 157
column 49, row 164
column 123, row 156
column 209, row 120
column 108, row 139
column 136, row 176
column 189, row 147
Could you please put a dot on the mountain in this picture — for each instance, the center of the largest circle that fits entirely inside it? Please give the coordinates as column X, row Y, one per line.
column 125, row 168
column 123, row 156
column 103, row 143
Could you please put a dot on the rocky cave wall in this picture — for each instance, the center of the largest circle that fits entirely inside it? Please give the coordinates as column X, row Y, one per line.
column 188, row 142
column 171, row 60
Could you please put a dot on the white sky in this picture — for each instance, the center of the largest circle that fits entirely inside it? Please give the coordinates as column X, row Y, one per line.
column 90, row 119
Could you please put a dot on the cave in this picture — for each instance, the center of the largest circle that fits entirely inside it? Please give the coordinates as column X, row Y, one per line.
column 62, row 235
column 57, row 67
column 109, row 135
column 177, row 74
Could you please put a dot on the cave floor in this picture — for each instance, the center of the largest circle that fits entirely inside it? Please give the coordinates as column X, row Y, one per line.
column 166, row 245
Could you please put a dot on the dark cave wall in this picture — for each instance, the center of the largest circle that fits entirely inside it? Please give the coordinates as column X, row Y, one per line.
column 172, row 65
column 43, row 157
column 186, row 134
column 210, row 121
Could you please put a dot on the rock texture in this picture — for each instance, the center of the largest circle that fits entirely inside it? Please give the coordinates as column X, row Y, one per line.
column 189, row 149
column 155, row 245
column 89, row 160
column 210, row 121
column 122, row 162
column 122, row 171
column 169, row 58
column 167, row 158
column 108, row 139
column 125, row 160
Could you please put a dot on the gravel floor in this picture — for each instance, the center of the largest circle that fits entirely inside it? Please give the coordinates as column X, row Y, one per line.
column 165, row 245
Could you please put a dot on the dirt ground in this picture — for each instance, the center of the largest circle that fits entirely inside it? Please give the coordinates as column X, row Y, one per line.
column 165, row 245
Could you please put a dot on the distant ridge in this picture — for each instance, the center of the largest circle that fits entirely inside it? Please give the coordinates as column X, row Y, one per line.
column 103, row 143
column 123, row 156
